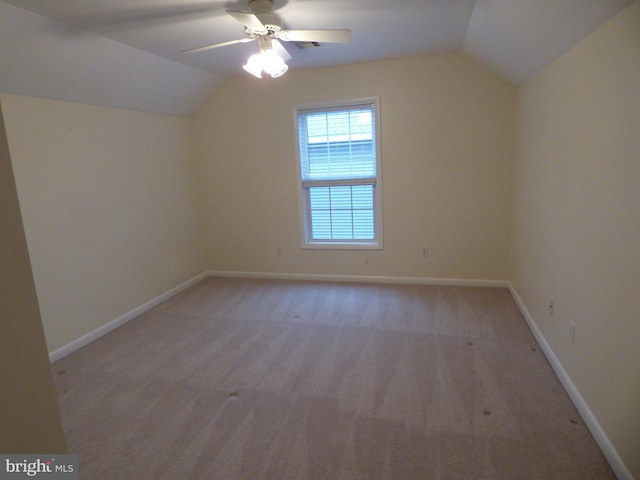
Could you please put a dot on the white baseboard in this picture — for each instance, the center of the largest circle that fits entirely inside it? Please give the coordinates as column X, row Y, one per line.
column 456, row 282
column 618, row 466
column 121, row 320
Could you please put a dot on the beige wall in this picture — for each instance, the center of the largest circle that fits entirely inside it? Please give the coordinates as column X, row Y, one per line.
column 29, row 417
column 576, row 235
column 447, row 130
column 109, row 204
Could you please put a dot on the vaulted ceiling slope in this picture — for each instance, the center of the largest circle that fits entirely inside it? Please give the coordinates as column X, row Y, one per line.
column 127, row 53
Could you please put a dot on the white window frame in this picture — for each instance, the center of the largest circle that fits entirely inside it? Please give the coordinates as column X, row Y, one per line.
column 303, row 197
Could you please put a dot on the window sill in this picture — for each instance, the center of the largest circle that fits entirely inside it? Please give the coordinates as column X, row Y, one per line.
column 341, row 246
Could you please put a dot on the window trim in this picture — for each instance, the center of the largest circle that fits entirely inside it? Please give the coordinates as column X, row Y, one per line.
column 304, row 222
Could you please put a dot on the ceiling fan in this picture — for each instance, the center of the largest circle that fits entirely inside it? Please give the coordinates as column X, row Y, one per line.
column 265, row 26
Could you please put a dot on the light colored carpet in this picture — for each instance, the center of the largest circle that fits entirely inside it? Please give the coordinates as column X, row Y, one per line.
column 264, row 379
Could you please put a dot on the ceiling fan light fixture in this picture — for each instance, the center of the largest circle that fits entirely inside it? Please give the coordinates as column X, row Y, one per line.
column 268, row 61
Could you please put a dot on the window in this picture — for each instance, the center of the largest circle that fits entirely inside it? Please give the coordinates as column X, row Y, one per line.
column 339, row 174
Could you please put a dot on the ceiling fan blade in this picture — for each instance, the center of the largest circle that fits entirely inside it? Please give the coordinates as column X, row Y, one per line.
column 216, row 45
column 320, row 36
column 249, row 20
column 280, row 50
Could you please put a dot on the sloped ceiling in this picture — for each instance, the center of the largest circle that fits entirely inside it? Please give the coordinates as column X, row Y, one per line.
column 127, row 53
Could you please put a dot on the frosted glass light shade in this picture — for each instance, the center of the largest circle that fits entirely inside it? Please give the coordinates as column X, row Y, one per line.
column 273, row 64
column 254, row 65
column 268, row 61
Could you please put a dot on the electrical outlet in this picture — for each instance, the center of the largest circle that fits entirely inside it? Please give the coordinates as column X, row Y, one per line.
column 572, row 332
column 424, row 252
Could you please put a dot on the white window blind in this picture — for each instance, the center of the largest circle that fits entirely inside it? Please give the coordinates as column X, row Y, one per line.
column 339, row 173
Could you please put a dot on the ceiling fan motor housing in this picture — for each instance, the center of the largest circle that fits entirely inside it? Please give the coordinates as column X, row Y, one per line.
column 263, row 9
column 261, row 6
column 271, row 21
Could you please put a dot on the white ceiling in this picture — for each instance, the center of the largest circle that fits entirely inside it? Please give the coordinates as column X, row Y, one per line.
column 127, row 53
